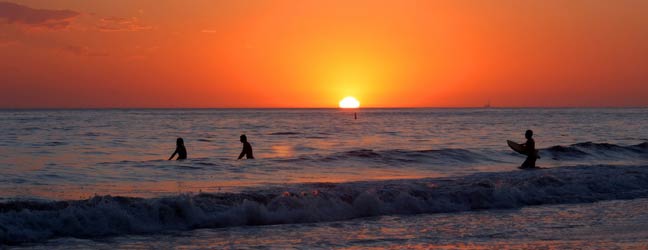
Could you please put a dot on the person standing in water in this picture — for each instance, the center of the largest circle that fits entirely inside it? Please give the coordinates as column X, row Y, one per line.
column 529, row 148
column 247, row 149
column 180, row 150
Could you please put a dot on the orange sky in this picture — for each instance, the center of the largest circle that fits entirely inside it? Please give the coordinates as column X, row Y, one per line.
column 244, row 53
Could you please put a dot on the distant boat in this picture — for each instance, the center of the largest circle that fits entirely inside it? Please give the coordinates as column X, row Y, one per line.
column 488, row 105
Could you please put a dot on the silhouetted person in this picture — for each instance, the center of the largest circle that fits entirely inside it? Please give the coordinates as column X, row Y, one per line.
column 529, row 148
column 180, row 150
column 355, row 116
column 247, row 149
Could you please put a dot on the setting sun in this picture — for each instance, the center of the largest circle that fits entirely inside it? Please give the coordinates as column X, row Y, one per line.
column 349, row 102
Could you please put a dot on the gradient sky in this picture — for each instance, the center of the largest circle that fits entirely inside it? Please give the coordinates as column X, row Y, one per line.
column 245, row 53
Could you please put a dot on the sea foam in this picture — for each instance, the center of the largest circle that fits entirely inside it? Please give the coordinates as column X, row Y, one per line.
column 32, row 221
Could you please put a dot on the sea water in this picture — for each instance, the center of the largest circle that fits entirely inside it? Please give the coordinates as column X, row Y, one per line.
column 392, row 178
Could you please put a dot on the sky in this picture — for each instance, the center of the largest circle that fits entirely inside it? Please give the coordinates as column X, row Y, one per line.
column 296, row 53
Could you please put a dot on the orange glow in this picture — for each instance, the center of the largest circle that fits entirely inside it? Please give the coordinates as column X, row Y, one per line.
column 349, row 102
column 306, row 53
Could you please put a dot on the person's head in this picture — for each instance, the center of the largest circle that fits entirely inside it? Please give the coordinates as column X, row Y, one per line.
column 243, row 138
column 528, row 134
column 179, row 142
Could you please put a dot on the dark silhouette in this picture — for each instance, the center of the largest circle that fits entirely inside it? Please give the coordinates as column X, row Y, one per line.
column 530, row 150
column 355, row 116
column 180, row 150
column 247, row 149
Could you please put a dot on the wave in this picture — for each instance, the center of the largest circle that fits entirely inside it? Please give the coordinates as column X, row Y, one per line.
column 452, row 156
column 597, row 151
column 34, row 221
column 431, row 157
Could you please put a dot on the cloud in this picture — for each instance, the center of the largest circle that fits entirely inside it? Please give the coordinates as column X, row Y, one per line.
column 113, row 24
column 83, row 51
column 36, row 18
column 7, row 43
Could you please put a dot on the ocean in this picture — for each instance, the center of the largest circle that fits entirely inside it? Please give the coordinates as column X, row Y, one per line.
column 390, row 179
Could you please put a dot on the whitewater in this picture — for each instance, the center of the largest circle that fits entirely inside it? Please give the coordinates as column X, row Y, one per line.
column 100, row 179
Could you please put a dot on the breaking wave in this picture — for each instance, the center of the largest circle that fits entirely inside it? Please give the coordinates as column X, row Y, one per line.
column 33, row 221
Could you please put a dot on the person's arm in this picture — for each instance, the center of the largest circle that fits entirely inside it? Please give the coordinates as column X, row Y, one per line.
column 174, row 153
column 242, row 153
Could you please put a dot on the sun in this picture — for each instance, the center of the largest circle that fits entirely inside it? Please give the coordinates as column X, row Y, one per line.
column 349, row 102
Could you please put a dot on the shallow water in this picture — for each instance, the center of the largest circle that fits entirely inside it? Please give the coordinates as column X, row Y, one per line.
column 64, row 172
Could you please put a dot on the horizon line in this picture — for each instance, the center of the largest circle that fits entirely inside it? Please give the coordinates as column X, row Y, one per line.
column 360, row 108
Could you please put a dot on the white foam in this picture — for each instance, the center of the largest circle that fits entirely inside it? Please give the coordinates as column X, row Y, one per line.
column 106, row 215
